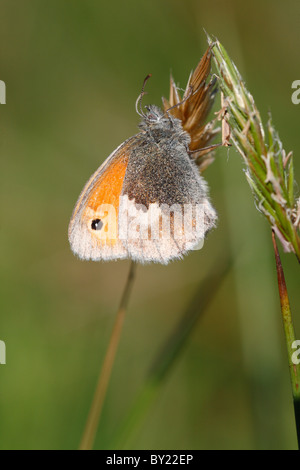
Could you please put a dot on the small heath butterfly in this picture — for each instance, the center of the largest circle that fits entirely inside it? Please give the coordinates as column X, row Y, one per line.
column 147, row 201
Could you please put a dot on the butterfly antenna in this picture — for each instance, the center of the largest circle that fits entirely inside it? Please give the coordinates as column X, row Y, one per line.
column 138, row 104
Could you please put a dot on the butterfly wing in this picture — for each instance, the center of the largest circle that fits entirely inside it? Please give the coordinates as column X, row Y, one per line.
column 93, row 229
column 137, row 203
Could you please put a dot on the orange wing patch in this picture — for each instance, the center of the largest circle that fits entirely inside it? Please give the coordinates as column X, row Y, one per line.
column 103, row 202
column 93, row 229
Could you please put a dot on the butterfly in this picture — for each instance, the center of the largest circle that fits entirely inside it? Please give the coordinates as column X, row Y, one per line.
column 148, row 201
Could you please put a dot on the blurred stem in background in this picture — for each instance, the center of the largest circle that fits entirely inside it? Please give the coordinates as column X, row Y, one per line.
column 254, row 292
column 270, row 174
column 92, row 424
column 170, row 352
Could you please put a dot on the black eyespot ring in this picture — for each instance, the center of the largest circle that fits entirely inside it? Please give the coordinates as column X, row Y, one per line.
column 96, row 224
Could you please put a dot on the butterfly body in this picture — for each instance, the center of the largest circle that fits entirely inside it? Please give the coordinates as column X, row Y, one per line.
column 159, row 169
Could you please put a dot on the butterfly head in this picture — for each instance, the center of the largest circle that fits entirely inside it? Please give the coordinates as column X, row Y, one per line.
column 157, row 120
column 155, row 117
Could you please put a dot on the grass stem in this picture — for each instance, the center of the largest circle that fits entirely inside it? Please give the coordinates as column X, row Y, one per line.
column 289, row 335
column 94, row 416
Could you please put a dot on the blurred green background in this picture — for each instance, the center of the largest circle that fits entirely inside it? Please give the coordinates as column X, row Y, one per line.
column 73, row 70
